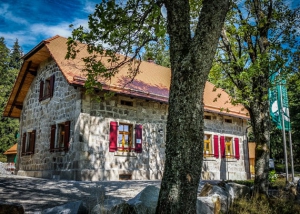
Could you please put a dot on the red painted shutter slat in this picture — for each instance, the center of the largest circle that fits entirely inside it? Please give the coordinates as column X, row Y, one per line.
column 32, row 141
column 237, row 148
column 113, row 137
column 41, row 90
column 52, row 138
column 67, row 136
column 52, row 79
column 216, row 146
column 138, row 138
column 222, row 143
column 23, row 143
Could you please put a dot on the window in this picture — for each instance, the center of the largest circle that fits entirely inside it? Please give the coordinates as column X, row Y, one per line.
column 126, row 103
column 207, row 117
column 228, row 120
column 125, row 137
column 228, row 147
column 28, row 143
column 121, row 137
column 207, row 151
column 60, row 136
column 46, row 88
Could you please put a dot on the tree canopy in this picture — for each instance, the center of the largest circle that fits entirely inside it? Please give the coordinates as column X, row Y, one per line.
column 259, row 39
column 192, row 30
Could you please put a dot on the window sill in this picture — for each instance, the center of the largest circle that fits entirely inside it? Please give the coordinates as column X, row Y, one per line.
column 125, row 154
column 209, row 159
column 55, row 150
column 230, row 159
column 44, row 101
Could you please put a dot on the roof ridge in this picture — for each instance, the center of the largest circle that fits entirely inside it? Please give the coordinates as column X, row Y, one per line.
column 52, row 38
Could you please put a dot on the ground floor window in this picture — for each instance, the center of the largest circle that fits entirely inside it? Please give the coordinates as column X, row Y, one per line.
column 207, row 151
column 125, row 137
column 60, row 137
column 28, row 142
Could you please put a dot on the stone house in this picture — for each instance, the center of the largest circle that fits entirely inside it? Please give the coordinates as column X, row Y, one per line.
column 67, row 134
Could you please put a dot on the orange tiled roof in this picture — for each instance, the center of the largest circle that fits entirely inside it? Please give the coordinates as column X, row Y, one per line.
column 12, row 150
column 152, row 82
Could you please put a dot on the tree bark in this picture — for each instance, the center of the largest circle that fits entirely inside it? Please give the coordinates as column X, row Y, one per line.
column 191, row 61
column 260, row 124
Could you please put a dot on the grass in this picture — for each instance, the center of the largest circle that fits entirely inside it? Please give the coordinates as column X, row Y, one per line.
column 283, row 203
column 258, row 205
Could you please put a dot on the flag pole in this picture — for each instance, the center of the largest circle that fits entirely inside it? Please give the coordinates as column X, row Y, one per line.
column 283, row 136
column 291, row 148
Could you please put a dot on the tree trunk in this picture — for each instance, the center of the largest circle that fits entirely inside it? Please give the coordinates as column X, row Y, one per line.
column 260, row 125
column 191, row 60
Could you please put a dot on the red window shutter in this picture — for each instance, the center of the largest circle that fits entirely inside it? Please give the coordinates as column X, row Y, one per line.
column 138, row 138
column 216, row 146
column 41, row 90
column 32, row 141
column 52, row 79
column 52, row 137
column 24, row 143
column 113, row 137
column 222, row 143
column 67, row 136
column 237, row 148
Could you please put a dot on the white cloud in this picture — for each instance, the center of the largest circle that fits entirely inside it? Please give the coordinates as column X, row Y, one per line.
column 6, row 14
column 89, row 7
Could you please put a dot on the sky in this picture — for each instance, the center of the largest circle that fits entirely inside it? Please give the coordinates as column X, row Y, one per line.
column 31, row 21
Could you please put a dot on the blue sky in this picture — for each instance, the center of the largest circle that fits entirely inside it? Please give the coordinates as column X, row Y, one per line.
column 31, row 21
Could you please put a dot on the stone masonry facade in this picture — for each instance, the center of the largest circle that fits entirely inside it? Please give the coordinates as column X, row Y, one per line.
column 88, row 156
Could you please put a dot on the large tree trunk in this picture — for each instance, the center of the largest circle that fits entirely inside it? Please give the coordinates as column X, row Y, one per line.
column 191, row 60
column 260, row 124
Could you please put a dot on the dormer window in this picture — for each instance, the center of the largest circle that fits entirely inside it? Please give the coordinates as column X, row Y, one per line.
column 46, row 88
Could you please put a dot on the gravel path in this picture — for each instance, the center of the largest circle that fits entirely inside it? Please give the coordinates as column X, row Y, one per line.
column 36, row 194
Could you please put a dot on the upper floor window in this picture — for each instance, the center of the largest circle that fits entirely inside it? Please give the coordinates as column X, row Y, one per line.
column 228, row 120
column 46, row 88
column 60, row 137
column 28, row 142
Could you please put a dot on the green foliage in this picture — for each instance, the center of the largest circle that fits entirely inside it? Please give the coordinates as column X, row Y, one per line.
column 115, row 28
column 272, row 176
column 8, row 127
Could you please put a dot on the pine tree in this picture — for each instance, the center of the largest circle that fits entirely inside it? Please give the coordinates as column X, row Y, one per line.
column 15, row 56
column 8, row 127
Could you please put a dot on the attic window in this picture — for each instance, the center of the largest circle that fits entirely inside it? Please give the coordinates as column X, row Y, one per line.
column 207, row 117
column 126, row 103
column 46, row 88
column 228, row 120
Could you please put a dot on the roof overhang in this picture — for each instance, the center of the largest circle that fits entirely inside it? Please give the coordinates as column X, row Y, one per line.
column 28, row 71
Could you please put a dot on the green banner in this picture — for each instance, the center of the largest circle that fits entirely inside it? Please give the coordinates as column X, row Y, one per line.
column 277, row 94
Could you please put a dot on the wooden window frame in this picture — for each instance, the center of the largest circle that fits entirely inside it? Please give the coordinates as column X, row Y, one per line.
column 28, row 143
column 121, row 142
column 207, row 146
column 60, row 132
column 47, row 88
column 229, row 152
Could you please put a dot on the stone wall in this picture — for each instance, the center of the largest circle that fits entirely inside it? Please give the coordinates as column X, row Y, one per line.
column 88, row 157
column 65, row 105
